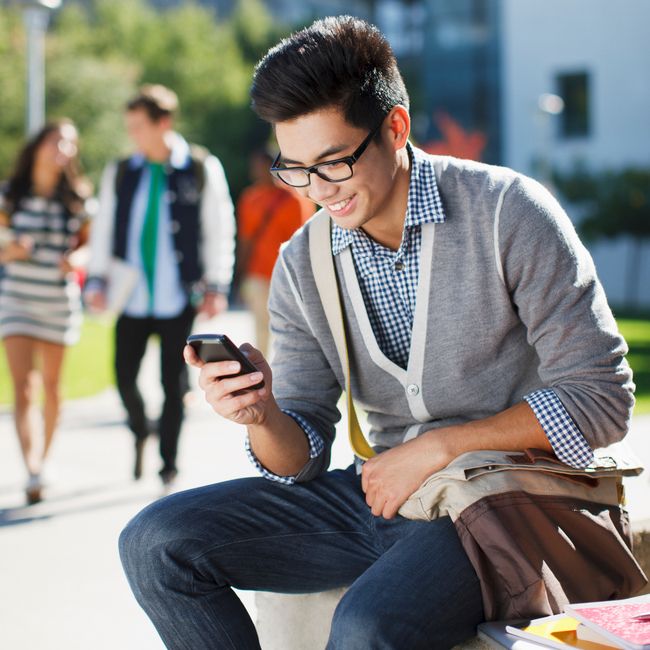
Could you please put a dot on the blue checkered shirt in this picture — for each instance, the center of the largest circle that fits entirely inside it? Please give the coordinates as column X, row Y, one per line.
column 388, row 280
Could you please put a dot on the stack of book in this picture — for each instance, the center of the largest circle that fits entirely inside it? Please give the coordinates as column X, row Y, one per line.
column 616, row 624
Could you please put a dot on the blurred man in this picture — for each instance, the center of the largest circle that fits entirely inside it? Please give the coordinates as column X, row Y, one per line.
column 268, row 214
column 166, row 211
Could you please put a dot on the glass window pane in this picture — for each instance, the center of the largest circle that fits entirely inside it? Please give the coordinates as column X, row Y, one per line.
column 574, row 90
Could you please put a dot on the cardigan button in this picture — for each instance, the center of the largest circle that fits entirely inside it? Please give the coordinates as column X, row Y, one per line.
column 179, row 257
column 413, row 389
column 174, row 227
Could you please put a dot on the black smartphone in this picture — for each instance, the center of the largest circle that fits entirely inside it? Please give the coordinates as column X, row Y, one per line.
column 218, row 347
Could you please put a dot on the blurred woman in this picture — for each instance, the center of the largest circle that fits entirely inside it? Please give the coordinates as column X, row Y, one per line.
column 42, row 220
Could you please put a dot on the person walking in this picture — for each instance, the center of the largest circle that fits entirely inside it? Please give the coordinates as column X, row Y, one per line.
column 43, row 220
column 268, row 213
column 474, row 321
column 165, row 211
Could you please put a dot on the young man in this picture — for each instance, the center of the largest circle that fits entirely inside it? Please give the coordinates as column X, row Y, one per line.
column 475, row 321
column 167, row 212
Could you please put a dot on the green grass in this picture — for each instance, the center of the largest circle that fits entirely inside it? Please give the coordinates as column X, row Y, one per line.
column 87, row 367
column 637, row 335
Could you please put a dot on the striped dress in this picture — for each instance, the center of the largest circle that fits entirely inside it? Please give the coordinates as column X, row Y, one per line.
column 36, row 298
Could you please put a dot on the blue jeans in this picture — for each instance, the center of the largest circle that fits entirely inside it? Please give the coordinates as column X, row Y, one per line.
column 411, row 584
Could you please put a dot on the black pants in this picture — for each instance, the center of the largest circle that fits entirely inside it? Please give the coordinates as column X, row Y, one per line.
column 131, row 336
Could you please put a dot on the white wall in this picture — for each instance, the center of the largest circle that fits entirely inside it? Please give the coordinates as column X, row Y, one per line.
column 542, row 38
column 609, row 40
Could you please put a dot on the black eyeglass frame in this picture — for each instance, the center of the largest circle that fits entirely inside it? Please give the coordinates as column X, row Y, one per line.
column 348, row 160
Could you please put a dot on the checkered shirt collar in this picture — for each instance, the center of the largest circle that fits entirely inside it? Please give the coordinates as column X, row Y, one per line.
column 424, row 203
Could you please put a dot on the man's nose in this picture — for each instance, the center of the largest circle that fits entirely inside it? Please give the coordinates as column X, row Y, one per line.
column 321, row 190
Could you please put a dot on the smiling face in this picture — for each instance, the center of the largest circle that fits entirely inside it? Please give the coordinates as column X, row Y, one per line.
column 375, row 196
column 58, row 148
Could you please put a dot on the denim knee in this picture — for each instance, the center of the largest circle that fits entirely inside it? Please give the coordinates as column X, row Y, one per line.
column 149, row 541
column 358, row 625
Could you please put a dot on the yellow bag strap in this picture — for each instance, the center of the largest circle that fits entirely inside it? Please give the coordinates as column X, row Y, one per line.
column 322, row 264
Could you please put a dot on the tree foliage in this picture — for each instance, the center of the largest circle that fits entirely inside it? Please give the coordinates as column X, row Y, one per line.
column 613, row 202
column 100, row 51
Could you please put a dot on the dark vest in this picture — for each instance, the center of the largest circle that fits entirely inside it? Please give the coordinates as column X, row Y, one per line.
column 184, row 197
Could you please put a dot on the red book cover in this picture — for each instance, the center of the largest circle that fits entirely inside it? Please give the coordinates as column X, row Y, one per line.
column 616, row 620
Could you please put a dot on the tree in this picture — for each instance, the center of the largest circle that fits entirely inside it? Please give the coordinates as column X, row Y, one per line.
column 613, row 203
column 12, row 82
column 100, row 51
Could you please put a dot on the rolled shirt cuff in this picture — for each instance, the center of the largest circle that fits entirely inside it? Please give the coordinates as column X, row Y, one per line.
column 316, row 446
column 562, row 432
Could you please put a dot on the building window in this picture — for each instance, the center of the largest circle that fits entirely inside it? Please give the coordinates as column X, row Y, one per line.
column 574, row 90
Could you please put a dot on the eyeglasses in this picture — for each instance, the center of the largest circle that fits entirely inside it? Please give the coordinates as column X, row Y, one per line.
column 332, row 171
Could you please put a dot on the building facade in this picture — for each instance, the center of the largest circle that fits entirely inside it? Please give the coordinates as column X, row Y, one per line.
column 595, row 55
column 496, row 68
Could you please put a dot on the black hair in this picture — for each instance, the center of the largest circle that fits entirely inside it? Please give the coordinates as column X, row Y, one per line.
column 73, row 188
column 340, row 62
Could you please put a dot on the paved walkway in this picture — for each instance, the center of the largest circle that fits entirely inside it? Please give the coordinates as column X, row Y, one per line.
column 62, row 586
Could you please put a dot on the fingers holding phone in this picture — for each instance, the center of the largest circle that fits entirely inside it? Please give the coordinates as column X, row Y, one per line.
column 236, row 385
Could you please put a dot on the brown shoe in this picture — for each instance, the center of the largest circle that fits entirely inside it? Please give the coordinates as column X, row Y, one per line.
column 34, row 490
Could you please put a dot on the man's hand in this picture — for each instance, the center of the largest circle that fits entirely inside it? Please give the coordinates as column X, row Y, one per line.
column 276, row 439
column 232, row 397
column 391, row 477
column 212, row 304
column 95, row 300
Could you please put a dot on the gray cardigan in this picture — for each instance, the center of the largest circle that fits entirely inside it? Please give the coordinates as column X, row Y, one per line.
column 508, row 302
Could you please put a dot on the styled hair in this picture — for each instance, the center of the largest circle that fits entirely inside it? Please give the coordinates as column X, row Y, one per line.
column 73, row 188
column 156, row 100
column 339, row 62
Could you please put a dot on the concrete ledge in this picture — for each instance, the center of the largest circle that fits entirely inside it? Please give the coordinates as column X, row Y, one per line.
column 297, row 622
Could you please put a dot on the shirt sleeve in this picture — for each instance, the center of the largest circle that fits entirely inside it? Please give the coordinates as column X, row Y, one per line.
column 316, row 446
column 566, row 439
column 304, row 381
column 101, row 230
column 218, row 228
column 586, row 397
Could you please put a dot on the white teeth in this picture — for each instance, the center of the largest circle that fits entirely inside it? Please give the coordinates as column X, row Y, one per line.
column 339, row 206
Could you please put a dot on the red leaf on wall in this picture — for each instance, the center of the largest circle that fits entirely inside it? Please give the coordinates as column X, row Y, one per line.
column 455, row 140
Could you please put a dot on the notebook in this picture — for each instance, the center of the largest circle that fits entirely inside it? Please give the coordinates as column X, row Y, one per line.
column 558, row 631
column 615, row 620
column 122, row 278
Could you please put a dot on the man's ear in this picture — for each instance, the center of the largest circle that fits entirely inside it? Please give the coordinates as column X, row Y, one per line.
column 399, row 121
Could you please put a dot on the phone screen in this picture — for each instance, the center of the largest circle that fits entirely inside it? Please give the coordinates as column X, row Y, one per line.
column 218, row 347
